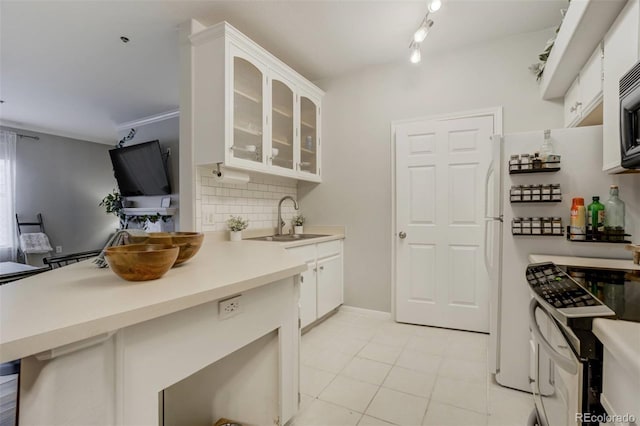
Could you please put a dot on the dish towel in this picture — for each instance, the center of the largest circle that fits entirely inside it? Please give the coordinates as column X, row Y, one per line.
column 36, row 242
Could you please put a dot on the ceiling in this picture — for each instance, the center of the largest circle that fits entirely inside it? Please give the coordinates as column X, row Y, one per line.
column 64, row 70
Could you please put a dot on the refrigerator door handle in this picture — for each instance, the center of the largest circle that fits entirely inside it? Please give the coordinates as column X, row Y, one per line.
column 486, row 189
column 486, row 248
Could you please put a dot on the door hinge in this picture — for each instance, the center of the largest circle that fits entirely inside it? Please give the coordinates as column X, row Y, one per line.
column 301, row 278
column 299, row 323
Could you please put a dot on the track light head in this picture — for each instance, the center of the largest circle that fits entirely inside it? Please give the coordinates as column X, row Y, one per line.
column 415, row 53
column 421, row 33
column 434, row 5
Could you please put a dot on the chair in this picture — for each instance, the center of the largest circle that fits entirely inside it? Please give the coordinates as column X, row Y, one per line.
column 39, row 223
column 55, row 262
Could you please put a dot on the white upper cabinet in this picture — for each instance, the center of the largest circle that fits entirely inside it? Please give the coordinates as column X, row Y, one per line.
column 572, row 104
column 585, row 94
column 249, row 110
column 621, row 53
column 308, row 158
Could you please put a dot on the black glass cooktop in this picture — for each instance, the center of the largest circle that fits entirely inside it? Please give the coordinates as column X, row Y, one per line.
column 569, row 288
column 619, row 290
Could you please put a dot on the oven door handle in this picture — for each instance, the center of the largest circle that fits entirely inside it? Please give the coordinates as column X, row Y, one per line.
column 567, row 364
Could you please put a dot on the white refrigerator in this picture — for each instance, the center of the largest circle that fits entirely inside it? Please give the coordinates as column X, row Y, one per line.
column 507, row 255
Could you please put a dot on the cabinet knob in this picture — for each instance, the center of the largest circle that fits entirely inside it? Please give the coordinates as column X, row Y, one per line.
column 402, row 235
column 322, row 268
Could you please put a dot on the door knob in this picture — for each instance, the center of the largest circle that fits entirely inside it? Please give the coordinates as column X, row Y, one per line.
column 402, row 235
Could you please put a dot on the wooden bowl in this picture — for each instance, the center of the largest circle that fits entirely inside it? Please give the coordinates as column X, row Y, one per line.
column 189, row 242
column 141, row 262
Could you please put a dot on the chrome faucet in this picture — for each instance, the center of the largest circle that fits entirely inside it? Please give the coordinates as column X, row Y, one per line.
column 281, row 222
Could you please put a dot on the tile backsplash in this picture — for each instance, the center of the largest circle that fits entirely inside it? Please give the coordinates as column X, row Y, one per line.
column 256, row 201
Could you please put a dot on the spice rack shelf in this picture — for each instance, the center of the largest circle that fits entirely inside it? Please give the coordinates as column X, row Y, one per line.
column 602, row 238
column 537, row 227
column 535, row 202
column 539, row 235
column 541, row 170
column 534, row 194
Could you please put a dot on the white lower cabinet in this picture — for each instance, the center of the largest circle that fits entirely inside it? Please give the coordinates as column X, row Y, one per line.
column 329, row 284
column 308, row 289
column 321, row 286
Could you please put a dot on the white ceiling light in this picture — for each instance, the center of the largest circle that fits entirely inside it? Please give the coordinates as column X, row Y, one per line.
column 421, row 33
column 434, row 5
column 423, row 30
column 415, row 53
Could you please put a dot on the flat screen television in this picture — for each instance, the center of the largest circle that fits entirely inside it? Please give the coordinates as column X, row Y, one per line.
column 140, row 169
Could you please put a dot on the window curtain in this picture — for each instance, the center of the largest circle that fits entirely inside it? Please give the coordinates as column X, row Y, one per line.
column 8, row 236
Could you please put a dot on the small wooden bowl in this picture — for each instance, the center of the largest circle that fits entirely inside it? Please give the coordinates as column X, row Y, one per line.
column 189, row 242
column 141, row 262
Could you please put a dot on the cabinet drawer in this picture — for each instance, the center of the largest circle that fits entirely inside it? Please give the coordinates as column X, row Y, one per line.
column 304, row 253
column 329, row 248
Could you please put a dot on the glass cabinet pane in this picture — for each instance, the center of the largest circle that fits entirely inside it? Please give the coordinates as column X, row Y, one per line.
column 308, row 135
column 282, row 125
column 247, row 110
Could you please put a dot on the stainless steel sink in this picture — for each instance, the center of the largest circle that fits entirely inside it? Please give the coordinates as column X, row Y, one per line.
column 287, row 237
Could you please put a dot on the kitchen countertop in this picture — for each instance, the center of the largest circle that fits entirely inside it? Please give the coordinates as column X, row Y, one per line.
column 586, row 262
column 622, row 339
column 80, row 301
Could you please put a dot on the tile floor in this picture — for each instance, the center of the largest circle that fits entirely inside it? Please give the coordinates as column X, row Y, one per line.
column 358, row 369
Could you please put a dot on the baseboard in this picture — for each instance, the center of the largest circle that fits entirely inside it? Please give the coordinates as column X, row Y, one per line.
column 366, row 312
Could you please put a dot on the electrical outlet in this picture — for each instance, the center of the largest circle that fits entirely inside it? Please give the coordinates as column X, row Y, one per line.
column 229, row 308
column 58, row 249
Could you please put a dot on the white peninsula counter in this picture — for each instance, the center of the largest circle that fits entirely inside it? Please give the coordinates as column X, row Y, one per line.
column 96, row 349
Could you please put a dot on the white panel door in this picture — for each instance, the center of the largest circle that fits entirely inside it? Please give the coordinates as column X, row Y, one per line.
column 441, row 168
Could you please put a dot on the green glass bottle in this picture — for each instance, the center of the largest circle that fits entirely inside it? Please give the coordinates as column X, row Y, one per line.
column 595, row 218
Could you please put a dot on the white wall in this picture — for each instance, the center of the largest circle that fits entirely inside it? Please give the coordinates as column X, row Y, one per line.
column 256, row 201
column 358, row 109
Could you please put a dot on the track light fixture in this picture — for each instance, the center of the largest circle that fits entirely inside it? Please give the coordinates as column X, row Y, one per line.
column 415, row 53
column 423, row 30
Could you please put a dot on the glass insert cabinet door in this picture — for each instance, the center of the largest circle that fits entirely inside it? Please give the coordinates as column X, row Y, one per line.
column 308, row 136
column 282, row 125
column 248, row 113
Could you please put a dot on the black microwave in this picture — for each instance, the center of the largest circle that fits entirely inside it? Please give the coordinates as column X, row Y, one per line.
column 630, row 118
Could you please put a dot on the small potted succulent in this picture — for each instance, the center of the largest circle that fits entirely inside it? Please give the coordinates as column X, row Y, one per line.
column 236, row 225
column 298, row 222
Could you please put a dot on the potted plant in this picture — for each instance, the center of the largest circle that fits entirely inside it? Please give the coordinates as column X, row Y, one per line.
column 298, row 222
column 114, row 204
column 236, row 225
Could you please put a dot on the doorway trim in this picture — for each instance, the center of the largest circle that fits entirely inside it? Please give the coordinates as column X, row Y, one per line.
column 495, row 112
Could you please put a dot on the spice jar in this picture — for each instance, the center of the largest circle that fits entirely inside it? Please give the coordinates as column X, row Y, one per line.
column 556, row 194
column 557, row 226
column 526, row 192
column 536, row 161
column 516, row 226
column 536, row 192
column 514, row 163
column 547, row 226
column 526, row 226
column 525, row 162
column 516, row 193
column 536, row 226
column 546, row 193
